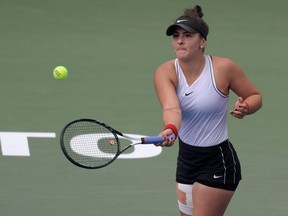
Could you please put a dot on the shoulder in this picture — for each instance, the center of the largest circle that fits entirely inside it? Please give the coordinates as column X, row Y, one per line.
column 224, row 63
column 166, row 72
column 166, row 67
column 226, row 72
column 226, row 67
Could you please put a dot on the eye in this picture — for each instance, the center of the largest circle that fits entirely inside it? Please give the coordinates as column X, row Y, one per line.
column 188, row 35
column 175, row 35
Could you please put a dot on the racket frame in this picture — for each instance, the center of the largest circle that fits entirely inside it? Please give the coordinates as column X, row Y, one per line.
column 152, row 140
column 113, row 131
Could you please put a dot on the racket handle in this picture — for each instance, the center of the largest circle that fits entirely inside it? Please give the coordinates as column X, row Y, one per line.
column 155, row 139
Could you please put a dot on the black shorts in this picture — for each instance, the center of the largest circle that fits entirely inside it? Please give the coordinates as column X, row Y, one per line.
column 216, row 166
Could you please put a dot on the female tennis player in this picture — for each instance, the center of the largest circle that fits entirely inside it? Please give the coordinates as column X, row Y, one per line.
column 193, row 91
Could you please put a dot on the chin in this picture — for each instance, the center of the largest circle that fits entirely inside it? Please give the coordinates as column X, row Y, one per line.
column 182, row 57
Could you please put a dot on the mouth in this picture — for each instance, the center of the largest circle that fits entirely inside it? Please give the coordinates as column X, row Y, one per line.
column 180, row 49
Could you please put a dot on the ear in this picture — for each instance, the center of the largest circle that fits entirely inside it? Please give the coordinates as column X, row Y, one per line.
column 202, row 43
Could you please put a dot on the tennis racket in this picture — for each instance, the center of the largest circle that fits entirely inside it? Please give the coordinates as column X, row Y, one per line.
column 92, row 144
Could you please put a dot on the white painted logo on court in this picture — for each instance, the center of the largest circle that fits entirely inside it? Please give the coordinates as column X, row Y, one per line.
column 17, row 144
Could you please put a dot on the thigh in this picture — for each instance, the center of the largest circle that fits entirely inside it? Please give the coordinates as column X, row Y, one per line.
column 184, row 196
column 209, row 201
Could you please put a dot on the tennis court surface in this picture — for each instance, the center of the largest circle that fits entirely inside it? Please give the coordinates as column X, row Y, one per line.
column 111, row 49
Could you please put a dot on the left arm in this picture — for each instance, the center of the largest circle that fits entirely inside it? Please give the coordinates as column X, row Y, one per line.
column 250, row 98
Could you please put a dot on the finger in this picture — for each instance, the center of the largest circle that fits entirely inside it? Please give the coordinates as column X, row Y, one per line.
column 168, row 143
column 240, row 99
column 237, row 114
column 244, row 108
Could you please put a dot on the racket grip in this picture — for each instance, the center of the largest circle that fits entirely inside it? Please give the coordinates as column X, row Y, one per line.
column 155, row 139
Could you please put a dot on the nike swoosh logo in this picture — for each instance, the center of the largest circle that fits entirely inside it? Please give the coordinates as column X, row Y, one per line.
column 187, row 94
column 217, row 176
column 181, row 20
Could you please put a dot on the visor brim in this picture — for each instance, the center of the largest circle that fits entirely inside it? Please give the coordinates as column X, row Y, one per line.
column 171, row 29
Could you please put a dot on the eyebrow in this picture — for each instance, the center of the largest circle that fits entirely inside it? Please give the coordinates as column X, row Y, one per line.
column 184, row 32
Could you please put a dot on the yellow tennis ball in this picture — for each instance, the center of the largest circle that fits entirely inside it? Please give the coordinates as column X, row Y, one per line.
column 60, row 73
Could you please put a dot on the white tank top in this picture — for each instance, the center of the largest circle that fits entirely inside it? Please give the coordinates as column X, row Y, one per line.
column 204, row 108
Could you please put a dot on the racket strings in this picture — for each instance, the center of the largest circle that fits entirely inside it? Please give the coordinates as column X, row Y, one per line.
column 90, row 144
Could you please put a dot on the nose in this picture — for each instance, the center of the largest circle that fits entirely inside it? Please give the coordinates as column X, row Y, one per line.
column 180, row 40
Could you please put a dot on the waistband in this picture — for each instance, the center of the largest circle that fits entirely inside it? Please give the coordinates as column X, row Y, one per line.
column 202, row 149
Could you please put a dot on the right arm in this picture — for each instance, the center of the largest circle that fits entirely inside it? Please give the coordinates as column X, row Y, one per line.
column 165, row 82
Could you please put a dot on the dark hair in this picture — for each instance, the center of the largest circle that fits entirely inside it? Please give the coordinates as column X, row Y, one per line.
column 191, row 21
column 196, row 14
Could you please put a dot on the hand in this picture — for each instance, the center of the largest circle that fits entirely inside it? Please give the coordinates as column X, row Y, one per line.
column 241, row 109
column 168, row 142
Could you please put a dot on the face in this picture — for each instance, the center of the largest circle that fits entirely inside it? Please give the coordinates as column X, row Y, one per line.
column 186, row 45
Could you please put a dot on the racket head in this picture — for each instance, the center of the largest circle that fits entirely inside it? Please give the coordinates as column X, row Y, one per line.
column 89, row 143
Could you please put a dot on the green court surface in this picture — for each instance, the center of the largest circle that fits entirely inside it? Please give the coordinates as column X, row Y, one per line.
column 111, row 49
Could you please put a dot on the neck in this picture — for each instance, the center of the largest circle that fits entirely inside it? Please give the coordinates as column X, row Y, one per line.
column 193, row 66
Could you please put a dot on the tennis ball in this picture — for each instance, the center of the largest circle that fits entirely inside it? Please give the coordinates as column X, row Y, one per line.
column 60, row 73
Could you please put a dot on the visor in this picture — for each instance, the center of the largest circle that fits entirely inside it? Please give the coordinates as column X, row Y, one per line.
column 190, row 25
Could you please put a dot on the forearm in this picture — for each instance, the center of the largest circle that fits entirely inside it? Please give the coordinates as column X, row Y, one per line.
column 172, row 116
column 254, row 102
column 247, row 106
